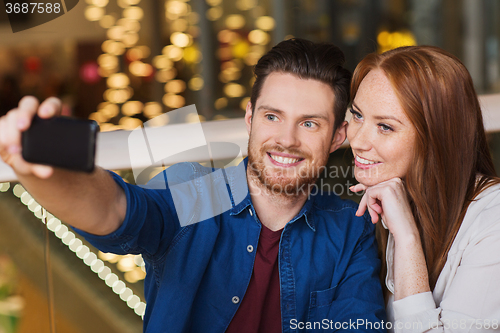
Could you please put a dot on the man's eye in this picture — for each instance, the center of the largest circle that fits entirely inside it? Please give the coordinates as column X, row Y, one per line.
column 309, row 124
column 271, row 117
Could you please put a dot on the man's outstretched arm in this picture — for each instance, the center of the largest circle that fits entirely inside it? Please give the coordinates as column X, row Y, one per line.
column 91, row 202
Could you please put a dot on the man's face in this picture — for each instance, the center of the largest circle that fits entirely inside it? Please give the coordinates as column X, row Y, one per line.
column 291, row 133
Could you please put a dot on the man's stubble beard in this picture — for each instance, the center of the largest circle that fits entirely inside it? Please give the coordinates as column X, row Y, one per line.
column 277, row 182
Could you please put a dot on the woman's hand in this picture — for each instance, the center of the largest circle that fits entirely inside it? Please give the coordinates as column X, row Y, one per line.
column 389, row 200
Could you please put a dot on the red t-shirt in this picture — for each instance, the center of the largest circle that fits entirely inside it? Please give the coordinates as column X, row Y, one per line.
column 260, row 310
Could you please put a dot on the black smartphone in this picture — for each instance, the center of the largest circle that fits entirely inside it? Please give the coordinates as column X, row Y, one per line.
column 61, row 142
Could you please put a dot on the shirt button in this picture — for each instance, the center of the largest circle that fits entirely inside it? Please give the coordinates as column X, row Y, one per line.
column 250, row 210
column 250, row 248
column 236, row 299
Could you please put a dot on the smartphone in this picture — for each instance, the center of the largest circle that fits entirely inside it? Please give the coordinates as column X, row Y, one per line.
column 61, row 142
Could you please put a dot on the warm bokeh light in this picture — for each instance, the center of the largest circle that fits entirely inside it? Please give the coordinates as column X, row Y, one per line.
column 244, row 103
column 93, row 13
column 215, row 13
column 175, row 86
column 138, row 68
column 97, row 116
column 131, row 108
column 134, row 13
column 129, row 24
column 118, row 96
column 235, row 21
column 110, row 110
column 196, row 83
column 130, row 39
column 240, row 49
column 165, row 75
column 192, row 54
column 152, row 109
column 234, row 90
column 193, row 18
column 157, row 121
column 246, row 4
column 116, row 32
column 173, row 52
column 118, row 80
column 391, row 40
column 129, row 123
column 100, row 3
column 258, row 36
column 220, row 117
column 265, row 23
column 112, row 47
column 179, row 25
column 107, row 61
column 195, row 118
column 214, row 2
column 180, row 39
column 227, row 36
column 176, row 7
column 220, row 103
column 162, row 62
column 107, row 21
column 173, row 101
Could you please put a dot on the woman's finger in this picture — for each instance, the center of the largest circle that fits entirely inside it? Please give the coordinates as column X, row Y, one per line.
column 358, row 188
column 362, row 206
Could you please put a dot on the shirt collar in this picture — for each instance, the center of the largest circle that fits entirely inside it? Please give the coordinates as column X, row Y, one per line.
column 240, row 188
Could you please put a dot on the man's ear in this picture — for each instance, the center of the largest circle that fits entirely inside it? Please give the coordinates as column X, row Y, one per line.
column 339, row 136
column 248, row 117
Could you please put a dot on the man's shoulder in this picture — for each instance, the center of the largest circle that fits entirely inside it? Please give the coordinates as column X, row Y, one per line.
column 341, row 213
column 331, row 202
column 179, row 173
column 187, row 171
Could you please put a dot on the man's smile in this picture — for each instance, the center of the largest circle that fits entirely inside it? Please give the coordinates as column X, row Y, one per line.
column 284, row 160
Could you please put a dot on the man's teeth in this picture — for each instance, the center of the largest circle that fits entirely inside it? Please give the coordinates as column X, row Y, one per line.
column 284, row 160
column 363, row 161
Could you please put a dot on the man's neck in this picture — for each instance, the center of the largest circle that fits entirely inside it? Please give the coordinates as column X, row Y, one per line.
column 274, row 210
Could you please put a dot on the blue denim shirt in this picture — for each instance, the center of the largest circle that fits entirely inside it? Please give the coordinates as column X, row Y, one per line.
column 198, row 272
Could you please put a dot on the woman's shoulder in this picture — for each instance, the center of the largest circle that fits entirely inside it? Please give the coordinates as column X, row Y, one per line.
column 483, row 215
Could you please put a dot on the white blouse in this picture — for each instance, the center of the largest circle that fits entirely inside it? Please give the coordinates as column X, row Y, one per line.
column 466, row 297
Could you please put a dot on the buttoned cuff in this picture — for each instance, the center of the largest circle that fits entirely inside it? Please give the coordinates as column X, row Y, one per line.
column 412, row 305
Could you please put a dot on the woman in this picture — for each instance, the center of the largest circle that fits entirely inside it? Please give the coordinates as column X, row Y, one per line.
column 421, row 156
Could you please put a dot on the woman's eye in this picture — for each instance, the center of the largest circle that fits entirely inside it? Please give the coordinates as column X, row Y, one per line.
column 271, row 117
column 355, row 114
column 385, row 128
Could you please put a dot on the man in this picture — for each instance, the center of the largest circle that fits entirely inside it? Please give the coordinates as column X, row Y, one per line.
column 279, row 259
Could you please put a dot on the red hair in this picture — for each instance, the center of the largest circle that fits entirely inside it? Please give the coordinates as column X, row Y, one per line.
column 438, row 96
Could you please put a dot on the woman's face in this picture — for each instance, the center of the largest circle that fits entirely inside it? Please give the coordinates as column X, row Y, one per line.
column 381, row 136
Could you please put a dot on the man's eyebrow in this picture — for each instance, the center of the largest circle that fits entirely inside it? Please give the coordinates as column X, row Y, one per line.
column 305, row 116
column 379, row 117
column 269, row 108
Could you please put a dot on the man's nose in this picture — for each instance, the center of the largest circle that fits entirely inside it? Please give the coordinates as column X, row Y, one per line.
column 287, row 136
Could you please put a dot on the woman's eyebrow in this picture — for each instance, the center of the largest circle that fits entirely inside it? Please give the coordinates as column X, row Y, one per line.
column 380, row 117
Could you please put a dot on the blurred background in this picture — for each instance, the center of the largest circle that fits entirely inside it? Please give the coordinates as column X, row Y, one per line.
column 124, row 62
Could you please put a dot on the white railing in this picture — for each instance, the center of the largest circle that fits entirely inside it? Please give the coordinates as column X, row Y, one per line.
column 113, row 151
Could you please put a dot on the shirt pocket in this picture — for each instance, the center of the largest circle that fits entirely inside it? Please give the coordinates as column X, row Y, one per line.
column 319, row 303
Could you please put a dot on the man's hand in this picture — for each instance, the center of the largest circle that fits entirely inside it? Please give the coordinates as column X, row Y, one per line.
column 17, row 121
